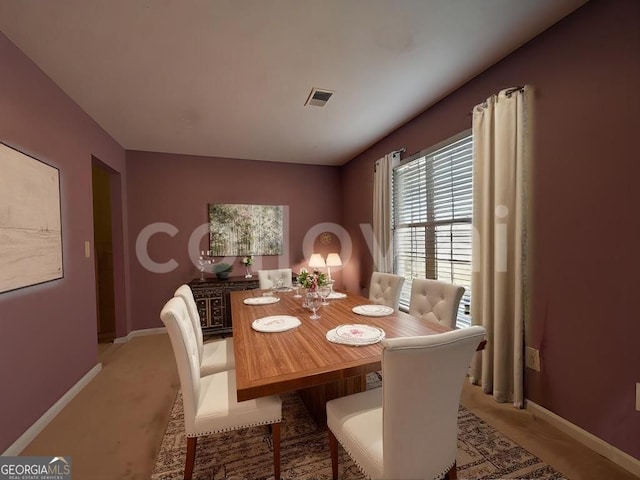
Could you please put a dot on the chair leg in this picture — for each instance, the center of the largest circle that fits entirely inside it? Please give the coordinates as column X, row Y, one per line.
column 191, row 457
column 275, row 436
column 333, row 447
column 452, row 474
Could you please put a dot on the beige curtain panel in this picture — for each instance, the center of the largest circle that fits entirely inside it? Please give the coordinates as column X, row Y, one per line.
column 383, row 238
column 501, row 153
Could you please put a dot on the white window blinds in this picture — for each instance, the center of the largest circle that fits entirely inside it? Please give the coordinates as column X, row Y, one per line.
column 432, row 210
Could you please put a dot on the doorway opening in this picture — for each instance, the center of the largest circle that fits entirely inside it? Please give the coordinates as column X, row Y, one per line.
column 104, row 253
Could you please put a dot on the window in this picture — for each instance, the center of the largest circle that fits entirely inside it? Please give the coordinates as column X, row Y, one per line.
column 432, row 210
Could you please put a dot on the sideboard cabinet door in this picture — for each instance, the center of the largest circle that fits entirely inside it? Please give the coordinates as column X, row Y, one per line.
column 212, row 299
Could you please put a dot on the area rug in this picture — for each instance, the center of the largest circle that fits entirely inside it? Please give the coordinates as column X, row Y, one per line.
column 483, row 452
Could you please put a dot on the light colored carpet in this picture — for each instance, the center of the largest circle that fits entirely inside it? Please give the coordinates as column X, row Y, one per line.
column 114, row 427
column 483, row 452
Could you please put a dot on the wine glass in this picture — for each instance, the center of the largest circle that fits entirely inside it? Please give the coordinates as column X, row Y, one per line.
column 314, row 302
column 325, row 291
column 296, row 286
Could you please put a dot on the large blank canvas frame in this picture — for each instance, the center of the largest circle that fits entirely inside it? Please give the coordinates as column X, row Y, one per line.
column 30, row 224
column 238, row 229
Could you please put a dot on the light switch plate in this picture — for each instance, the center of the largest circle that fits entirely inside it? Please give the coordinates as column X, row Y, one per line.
column 87, row 249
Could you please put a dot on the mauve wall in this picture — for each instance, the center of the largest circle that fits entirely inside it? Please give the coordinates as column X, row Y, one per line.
column 48, row 332
column 176, row 189
column 585, row 72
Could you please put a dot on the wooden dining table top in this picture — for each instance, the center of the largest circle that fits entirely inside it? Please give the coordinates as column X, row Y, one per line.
column 279, row 362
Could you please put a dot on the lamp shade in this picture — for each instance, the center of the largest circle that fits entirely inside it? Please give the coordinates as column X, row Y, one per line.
column 333, row 260
column 316, row 261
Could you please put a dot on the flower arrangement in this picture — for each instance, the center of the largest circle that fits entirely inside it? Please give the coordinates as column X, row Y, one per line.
column 246, row 261
column 311, row 280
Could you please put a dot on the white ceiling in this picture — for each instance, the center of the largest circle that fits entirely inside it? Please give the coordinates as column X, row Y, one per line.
column 229, row 78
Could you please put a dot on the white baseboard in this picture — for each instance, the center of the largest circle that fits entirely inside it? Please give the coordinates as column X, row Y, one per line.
column 33, row 431
column 596, row 444
column 140, row 333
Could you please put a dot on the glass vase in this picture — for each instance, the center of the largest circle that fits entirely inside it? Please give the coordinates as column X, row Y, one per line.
column 248, row 274
column 313, row 303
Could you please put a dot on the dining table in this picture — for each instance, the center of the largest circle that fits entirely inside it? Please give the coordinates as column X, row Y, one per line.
column 301, row 358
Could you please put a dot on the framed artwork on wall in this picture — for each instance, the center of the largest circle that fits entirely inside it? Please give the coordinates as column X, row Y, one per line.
column 238, row 229
column 30, row 224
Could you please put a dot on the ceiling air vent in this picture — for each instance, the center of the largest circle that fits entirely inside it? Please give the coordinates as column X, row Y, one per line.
column 318, row 97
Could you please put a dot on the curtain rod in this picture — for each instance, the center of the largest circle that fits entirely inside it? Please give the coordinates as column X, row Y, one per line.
column 400, row 150
column 511, row 91
column 508, row 93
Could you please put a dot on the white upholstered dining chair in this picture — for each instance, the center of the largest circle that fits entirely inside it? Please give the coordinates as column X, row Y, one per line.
column 408, row 428
column 435, row 300
column 215, row 355
column 210, row 404
column 385, row 289
column 270, row 278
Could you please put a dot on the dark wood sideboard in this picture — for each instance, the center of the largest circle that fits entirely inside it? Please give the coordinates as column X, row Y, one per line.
column 212, row 299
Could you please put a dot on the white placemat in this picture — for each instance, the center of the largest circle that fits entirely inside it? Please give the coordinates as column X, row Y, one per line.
column 275, row 323
column 261, row 300
column 373, row 310
column 355, row 335
column 336, row 295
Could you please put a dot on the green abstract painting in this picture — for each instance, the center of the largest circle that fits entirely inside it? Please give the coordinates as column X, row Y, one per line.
column 237, row 229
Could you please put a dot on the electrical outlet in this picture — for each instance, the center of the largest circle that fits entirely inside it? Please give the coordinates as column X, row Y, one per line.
column 638, row 397
column 532, row 359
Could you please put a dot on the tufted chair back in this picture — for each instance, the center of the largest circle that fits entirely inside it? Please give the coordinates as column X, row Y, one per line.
column 269, row 278
column 385, row 289
column 185, row 292
column 175, row 317
column 435, row 300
